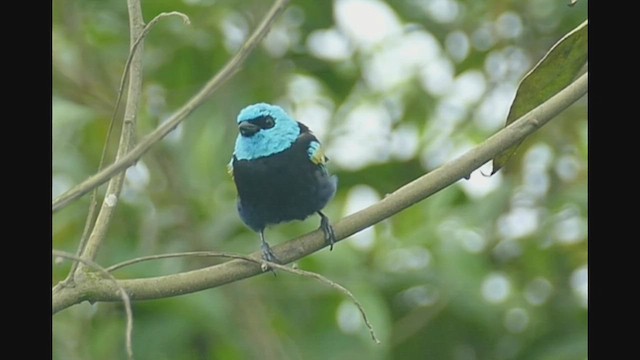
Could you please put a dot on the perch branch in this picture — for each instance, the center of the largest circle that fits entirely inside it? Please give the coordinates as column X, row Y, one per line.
column 404, row 197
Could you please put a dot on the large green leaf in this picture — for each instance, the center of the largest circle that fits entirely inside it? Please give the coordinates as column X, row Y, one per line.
column 557, row 69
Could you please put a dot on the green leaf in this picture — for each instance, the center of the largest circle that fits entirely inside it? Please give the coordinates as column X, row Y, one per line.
column 557, row 69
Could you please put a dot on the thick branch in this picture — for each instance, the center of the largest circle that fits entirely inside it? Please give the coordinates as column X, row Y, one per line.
column 170, row 124
column 417, row 190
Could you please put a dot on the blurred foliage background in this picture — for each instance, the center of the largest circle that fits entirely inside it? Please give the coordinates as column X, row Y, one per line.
column 490, row 268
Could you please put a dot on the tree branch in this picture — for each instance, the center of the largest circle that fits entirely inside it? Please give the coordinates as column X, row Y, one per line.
column 134, row 92
column 89, row 222
column 417, row 190
column 170, row 124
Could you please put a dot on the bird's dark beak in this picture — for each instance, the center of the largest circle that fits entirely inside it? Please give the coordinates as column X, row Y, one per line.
column 248, row 129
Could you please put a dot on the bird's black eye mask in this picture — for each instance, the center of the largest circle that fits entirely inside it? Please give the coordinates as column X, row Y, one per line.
column 249, row 128
column 264, row 122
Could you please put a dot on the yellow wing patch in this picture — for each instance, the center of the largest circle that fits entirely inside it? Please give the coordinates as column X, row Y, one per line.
column 230, row 168
column 316, row 153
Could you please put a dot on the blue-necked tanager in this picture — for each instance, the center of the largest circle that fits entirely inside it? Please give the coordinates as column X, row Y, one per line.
column 279, row 169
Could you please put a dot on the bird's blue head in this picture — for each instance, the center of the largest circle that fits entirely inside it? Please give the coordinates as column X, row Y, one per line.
column 264, row 130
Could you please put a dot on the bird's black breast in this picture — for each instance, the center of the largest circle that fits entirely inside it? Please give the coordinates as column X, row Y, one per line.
column 282, row 187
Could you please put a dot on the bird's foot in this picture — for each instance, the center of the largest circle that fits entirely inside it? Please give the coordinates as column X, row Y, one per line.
column 326, row 227
column 268, row 255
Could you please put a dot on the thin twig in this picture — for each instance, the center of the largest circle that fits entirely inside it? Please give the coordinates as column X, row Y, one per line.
column 134, row 48
column 264, row 264
column 121, row 292
column 334, row 285
column 180, row 115
column 88, row 225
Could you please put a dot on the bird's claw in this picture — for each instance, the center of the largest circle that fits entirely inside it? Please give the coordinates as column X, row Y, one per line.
column 329, row 234
column 267, row 254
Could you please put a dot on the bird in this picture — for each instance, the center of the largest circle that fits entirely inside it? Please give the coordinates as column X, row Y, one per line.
column 279, row 169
